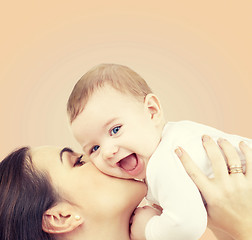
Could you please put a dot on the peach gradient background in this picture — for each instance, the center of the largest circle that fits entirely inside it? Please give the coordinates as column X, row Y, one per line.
column 196, row 55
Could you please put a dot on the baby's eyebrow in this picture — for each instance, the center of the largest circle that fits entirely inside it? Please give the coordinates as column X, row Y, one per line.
column 65, row 149
column 109, row 122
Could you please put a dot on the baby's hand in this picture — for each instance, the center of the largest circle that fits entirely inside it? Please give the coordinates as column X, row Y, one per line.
column 141, row 216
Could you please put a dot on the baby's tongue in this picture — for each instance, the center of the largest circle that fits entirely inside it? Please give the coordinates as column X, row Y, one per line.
column 129, row 163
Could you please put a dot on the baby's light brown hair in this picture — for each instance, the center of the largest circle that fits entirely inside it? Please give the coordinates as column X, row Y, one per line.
column 118, row 76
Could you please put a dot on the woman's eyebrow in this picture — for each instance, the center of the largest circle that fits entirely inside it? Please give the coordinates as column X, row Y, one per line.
column 66, row 149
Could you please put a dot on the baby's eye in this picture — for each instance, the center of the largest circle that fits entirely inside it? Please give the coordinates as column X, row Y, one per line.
column 95, row 148
column 79, row 162
column 115, row 130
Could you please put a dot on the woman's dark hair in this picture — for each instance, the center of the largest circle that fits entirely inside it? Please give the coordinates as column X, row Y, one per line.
column 25, row 194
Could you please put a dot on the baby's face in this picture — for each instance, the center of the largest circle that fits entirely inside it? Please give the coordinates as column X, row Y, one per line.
column 117, row 132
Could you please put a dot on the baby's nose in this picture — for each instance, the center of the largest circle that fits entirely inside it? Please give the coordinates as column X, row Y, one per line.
column 109, row 151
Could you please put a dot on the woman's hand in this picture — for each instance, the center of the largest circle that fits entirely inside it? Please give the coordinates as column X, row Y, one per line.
column 229, row 194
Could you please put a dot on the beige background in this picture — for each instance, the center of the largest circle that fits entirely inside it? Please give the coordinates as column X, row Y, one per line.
column 196, row 55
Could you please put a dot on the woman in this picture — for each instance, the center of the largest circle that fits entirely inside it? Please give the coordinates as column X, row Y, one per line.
column 46, row 193
column 51, row 193
column 229, row 194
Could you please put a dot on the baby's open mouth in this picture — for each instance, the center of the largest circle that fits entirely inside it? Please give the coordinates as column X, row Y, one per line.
column 128, row 163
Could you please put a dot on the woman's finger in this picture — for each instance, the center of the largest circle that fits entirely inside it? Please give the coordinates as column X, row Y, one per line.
column 199, row 178
column 247, row 151
column 214, row 154
column 233, row 159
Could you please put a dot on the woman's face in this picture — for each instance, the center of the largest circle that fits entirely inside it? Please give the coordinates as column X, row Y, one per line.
column 83, row 185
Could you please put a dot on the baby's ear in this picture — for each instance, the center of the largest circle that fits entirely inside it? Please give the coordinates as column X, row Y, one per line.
column 153, row 105
column 61, row 219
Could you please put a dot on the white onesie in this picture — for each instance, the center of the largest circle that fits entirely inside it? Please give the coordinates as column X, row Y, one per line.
column 184, row 216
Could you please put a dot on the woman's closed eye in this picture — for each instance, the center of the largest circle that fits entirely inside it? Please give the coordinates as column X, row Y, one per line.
column 79, row 161
column 115, row 130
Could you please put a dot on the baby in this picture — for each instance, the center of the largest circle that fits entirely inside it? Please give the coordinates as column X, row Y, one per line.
column 120, row 125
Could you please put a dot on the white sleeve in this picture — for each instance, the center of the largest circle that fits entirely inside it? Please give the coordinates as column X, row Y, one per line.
column 188, row 135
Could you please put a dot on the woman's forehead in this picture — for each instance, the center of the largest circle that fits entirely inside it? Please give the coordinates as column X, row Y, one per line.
column 45, row 155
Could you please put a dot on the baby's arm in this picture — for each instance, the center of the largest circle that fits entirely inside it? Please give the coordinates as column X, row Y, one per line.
column 188, row 135
column 139, row 220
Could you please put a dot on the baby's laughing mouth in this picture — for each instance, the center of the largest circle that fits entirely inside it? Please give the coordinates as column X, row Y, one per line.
column 128, row 163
